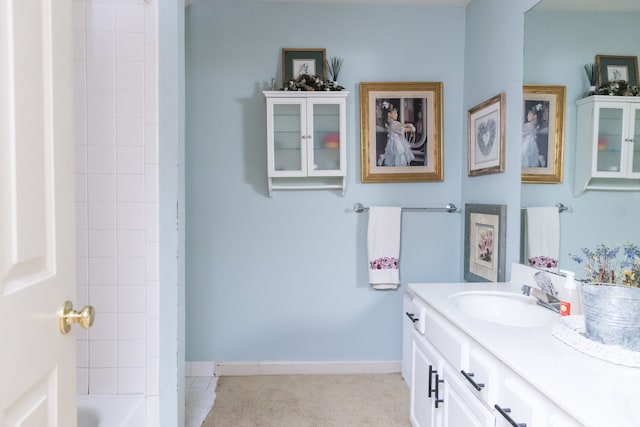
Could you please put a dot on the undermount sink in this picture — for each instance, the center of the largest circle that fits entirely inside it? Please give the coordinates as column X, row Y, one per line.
column 504, row 308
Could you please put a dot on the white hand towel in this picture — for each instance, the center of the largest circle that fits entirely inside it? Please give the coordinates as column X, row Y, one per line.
column 383, row 243
column 542, row 238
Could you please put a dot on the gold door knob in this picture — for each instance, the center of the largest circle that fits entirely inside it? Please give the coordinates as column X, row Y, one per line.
column 69, row 316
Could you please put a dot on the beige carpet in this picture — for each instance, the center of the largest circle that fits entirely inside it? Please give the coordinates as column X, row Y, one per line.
column 310, row 401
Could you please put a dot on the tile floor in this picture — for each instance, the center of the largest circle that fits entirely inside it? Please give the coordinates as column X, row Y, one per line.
column 200, row 394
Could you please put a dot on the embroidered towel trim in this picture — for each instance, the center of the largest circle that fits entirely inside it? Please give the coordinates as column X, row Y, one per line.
column 383, row 247
column 542, row 238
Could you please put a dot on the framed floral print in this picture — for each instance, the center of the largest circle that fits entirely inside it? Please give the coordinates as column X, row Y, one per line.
column 486, row 136
column 485, row 242
column 401, row 132
column 297, row 61
column 543, row 112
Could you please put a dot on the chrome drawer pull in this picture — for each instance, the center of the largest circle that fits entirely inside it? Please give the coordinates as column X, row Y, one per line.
column 505, row 413
column 469, row 377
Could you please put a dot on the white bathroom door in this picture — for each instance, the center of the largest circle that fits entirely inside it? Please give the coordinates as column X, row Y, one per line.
column 37, row 243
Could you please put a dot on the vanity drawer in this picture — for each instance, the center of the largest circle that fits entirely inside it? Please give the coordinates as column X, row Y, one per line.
column 451, row 343
column 414, row 311
column 483, row 375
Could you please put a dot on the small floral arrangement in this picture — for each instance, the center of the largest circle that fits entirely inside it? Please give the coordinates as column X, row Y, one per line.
column 309, row 83
column 618, row 88
column 617, row 264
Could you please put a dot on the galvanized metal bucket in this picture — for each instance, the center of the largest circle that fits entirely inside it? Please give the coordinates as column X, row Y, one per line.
column 612, row 314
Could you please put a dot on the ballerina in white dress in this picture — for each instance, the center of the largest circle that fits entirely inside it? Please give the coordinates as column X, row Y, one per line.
column 530, row 152
column 397, row 151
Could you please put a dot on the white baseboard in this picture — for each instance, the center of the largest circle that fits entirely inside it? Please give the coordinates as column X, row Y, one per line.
column 199, row 369
column 290, row 368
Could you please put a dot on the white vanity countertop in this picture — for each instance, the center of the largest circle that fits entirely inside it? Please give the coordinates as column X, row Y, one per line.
column 596, row 393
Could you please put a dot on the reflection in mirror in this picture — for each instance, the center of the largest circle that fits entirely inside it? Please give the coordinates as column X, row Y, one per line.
column 559, row 41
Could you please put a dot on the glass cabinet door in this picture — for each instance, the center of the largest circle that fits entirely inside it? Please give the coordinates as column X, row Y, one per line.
column 635, row 143
column 288, row 151
column 326, row 128
column 609, row 149
column 326, row 137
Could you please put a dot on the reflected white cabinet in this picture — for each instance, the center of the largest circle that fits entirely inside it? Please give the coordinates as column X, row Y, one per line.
column 306, row 140
column 607, row 144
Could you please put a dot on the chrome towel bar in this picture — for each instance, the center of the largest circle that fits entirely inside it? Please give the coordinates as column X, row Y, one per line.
column 450, row 208
column 561, row 207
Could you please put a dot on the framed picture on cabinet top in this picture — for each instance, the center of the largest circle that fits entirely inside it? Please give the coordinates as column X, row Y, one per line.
column 485, row 242
column 297, row 61
column 485, row 136
column 401, row 132
column 543, row 111
column 610, row 68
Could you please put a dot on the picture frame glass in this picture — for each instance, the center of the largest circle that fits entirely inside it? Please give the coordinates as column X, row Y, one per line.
column 485, row 243
column 483, row 257
column 298, row 61
column 615, row 67
column 401, row 132
column 617, row 72
column 303, row 66
column 542, row 150
column 485, row 137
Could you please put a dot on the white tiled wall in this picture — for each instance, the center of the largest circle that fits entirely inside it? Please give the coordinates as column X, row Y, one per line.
column 117, row 202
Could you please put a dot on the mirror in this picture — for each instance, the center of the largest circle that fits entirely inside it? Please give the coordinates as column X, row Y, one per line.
column 559, row 40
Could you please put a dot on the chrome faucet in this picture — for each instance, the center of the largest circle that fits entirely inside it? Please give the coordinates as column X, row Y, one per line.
column 544, row 299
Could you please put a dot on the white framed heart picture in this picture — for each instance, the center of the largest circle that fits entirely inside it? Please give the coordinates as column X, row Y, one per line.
column 486, row 129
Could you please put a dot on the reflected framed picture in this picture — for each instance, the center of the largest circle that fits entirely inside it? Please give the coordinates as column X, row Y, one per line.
column 611, row 68
column 485, row 242
column 297, row 61
column 543, row 116
column 486, row 136
column 401, row 132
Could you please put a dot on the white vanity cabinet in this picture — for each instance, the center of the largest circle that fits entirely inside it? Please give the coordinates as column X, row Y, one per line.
column 456, row 381
column 461, row 407
column 426, row 384
column 306, row 140
column 607, row 144
column 439, row 395
column 526, row 406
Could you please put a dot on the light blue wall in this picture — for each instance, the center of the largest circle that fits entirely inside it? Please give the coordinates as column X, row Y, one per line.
column 285, row 278
column 557, row 45
column 493, row 64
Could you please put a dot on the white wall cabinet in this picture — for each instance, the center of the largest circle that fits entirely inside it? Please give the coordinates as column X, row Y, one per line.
column 607, row 144
column 306, row 140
